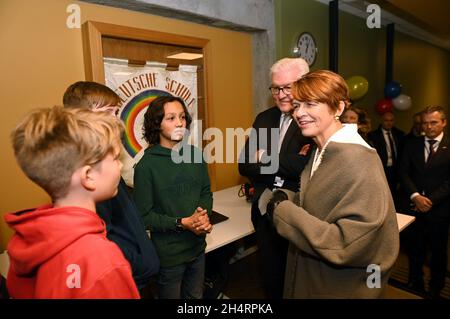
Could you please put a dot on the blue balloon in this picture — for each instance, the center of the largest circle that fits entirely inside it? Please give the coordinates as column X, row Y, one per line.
column 392, row 90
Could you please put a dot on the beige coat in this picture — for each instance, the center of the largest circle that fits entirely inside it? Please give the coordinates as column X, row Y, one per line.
column 343, row 222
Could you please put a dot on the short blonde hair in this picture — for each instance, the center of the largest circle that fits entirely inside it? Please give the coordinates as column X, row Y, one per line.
column 298, row 65
column 322, row 86
column 89, row 94
column 51, row 144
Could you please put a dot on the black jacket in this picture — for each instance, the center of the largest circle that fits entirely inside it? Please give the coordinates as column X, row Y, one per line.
column 431, row 179
column 125, row 227
column 377, row 139
column 290, row 162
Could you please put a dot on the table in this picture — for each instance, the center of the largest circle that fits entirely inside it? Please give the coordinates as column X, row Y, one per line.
column 239, row 224
column 228, row 203
column 404, row 220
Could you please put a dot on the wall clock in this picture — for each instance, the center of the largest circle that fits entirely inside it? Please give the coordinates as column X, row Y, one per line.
column 306, row 48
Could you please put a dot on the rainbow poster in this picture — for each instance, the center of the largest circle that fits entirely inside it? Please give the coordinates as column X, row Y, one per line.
column 130, row 113
column 137, row 87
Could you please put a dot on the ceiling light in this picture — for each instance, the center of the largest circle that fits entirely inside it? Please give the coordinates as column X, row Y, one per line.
column 185, row 56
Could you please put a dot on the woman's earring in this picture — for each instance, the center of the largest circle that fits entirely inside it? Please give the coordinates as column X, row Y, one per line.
column 336, row 117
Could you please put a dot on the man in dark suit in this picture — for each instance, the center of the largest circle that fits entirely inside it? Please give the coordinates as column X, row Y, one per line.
column 274, row 157
column 388, row 141
column 425, row 178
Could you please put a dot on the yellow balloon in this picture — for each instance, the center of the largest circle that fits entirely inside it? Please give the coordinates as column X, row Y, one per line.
column 357, row 87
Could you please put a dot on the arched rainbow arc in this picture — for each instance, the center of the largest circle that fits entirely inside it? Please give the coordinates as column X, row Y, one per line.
column 129, row 114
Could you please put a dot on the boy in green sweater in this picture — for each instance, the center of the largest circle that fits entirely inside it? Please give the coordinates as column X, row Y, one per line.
column 174, row 199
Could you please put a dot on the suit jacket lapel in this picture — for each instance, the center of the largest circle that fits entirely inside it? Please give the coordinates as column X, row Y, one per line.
column 381, row 137
column 443, row 145
column 420, row 151
column 293, row 127
column 271, row 122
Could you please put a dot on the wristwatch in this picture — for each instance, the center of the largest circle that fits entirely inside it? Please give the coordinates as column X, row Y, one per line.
column 179, row 226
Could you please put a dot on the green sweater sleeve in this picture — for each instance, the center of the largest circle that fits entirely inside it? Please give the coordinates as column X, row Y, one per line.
column 206, row 199
column 143, row 196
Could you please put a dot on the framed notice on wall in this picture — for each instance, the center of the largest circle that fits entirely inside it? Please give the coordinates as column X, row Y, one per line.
column 137, row 87
column 140, row 64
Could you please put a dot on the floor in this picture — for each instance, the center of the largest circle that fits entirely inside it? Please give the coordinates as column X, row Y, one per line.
column 245, row 282
column 399, row 276
column 245, row 279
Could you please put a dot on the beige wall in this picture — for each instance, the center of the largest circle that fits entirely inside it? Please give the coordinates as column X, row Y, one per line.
column 40, row 57
column 424, row 72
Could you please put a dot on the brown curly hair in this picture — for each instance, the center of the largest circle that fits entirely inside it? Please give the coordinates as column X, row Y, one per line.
column 155, row 114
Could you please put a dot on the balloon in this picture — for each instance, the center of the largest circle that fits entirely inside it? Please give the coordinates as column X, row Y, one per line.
column 383, row 106
column 392, row 90
column 357, row 87
column 402, row 102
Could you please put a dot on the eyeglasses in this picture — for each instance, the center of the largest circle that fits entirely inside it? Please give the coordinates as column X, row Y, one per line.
column 276, row 89
column 113, row 109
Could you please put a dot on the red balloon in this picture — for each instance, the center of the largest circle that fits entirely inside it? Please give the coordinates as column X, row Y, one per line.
column 383, row 106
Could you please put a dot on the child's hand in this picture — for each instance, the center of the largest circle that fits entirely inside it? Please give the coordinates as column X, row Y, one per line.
column 198, row 222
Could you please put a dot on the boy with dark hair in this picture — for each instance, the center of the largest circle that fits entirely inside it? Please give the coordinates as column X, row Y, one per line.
column 174, row 199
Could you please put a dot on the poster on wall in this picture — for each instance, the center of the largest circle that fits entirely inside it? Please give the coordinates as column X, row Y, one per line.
column 137, row 86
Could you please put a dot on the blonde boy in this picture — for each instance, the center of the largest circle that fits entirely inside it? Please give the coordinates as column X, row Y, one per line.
column 124, row 225
column 61, row 250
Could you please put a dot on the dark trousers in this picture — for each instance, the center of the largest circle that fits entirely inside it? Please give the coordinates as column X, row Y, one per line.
column 392, row 179
column 425, row 230
column 273, row 253
column 217, row 268
column 3, row 291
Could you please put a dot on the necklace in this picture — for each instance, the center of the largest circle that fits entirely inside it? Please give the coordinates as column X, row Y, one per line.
column 318, row 158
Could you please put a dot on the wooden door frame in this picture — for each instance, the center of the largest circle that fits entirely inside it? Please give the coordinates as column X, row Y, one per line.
column 92, row 44
column 93, row 31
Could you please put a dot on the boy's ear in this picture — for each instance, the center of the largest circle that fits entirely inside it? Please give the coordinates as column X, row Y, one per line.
column 87, row 178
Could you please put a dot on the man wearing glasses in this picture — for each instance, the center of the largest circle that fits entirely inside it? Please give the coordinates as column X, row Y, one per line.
column 291, row 148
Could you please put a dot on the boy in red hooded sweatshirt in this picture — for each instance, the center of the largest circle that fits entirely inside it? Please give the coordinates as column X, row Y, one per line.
column 61, row 250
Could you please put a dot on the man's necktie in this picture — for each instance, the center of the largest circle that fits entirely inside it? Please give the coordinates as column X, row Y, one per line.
column 283, row 128
column 431, row 148
column 392, row 145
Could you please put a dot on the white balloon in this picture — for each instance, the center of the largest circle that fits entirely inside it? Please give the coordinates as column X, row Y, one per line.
column 402, row 102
